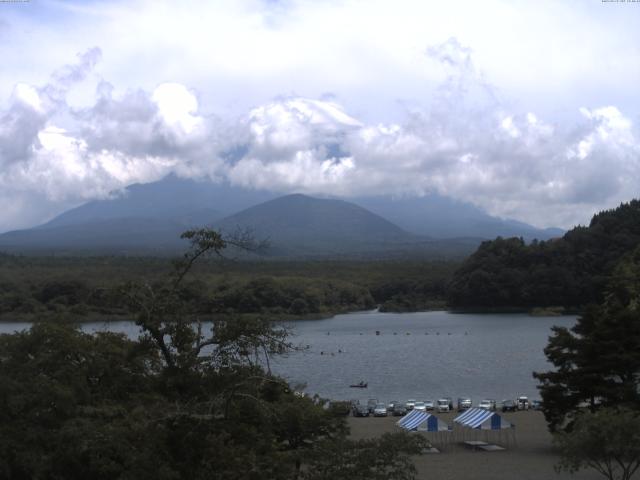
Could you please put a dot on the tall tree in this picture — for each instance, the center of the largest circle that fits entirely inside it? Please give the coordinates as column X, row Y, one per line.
column 597, row 362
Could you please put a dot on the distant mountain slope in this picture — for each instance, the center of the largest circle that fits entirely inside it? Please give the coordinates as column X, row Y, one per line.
column 298, row 224
column 112, row 235
column 442, row 217
column 571, row 271
column 301, row 225
column 173, row 198
column 295, row 226
column 179, row 200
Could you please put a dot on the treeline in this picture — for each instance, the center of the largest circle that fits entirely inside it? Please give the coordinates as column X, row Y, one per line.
column 35, row 288
column 571, row 271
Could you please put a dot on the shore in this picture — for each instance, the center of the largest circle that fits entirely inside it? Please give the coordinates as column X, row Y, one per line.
column 532, row 458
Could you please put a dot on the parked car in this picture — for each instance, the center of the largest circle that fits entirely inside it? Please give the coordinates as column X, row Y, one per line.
column 360, row 410
column 399, row 410
column 488, row 404
column 428, row 404
column 509, row 406
column 380, row 410
column 410, row 403
column 464, row 403
column 391, row 405
column 420, row 406
column 536, row 404
column 339, row 408
column 523, row 403
column 371, row 404
column 445, row 404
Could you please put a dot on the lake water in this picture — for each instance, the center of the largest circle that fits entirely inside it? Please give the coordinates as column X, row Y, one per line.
column 423, row 355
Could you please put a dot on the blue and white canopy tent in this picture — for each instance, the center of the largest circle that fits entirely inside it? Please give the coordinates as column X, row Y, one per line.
column 478, row 420
column 419, row 421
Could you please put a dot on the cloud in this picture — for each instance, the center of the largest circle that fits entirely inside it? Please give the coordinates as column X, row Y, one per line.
column 467, row 142
column 138, row 137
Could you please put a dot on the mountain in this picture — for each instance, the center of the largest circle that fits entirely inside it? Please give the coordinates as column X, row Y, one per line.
column 147, row 218
column 442, row 217
column 302, row 225
column 131, row 235
column 175, row 199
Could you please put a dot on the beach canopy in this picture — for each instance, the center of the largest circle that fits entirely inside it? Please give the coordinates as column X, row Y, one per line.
column 482, row 419
column 422, row 422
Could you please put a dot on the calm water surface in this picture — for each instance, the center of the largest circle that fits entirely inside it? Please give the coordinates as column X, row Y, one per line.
column 422, row 355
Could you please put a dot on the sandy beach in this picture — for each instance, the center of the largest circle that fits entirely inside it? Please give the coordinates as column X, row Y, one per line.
column 531, row 458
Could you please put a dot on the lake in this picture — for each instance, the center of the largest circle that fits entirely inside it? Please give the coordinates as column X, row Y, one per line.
column 423, row 355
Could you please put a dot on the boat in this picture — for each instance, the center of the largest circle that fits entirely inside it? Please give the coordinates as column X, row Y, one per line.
column 359, row 385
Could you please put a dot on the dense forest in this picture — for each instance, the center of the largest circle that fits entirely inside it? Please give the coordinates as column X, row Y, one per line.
column 181, row 402
column 568, row 272
column 37, row 288
column 571, row 271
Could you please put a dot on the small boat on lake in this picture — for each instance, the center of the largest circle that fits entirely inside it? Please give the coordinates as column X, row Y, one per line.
column 359, row 385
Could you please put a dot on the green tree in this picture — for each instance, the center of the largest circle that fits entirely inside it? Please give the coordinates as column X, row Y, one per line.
column 371, row 459
column 184, row 401
column 607, row 441
column 597, row 362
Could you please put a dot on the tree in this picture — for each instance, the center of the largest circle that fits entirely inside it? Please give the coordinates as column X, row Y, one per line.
column 74, row 405
column 598, row 360
column 370, row 459
column 571, row 271
column 181, row 402
column 607, row 441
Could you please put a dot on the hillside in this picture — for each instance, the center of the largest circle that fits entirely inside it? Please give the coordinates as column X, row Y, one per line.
column 129, row 235
column 147, row 219
column 173, row 199
column 301, row 225
column 442, row 217
column 571, row 271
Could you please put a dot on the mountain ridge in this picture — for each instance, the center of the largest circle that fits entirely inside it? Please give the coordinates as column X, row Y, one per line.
column 166, row 207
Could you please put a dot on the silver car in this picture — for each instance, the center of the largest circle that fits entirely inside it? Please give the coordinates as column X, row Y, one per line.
column 410, row 403
column 428, row 404
column 464, row 403
column 380, row 410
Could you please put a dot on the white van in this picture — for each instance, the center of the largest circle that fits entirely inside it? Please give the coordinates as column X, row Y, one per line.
column 444, row 405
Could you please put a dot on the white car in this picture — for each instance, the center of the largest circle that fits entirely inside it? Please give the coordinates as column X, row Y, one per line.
column 523, row 403
column 488, row 404
column 410, row 403
column 429, row 405
column 420, row 406
column 444, row 405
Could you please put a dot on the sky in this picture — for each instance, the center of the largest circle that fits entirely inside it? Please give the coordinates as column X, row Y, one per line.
column 527, row 109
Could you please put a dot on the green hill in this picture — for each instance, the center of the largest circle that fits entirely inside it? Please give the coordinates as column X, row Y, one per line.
column 570, row 271
column 301, row 225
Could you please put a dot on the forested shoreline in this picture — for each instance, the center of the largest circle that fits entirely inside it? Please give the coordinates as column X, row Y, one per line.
column 558, row 276
column 86, row 289
column 567, row 273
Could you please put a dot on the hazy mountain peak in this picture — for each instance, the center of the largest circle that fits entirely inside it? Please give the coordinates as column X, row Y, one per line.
column 295, row 223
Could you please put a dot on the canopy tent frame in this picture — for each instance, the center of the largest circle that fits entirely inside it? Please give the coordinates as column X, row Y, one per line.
column 480, row 424
column 428, row 425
